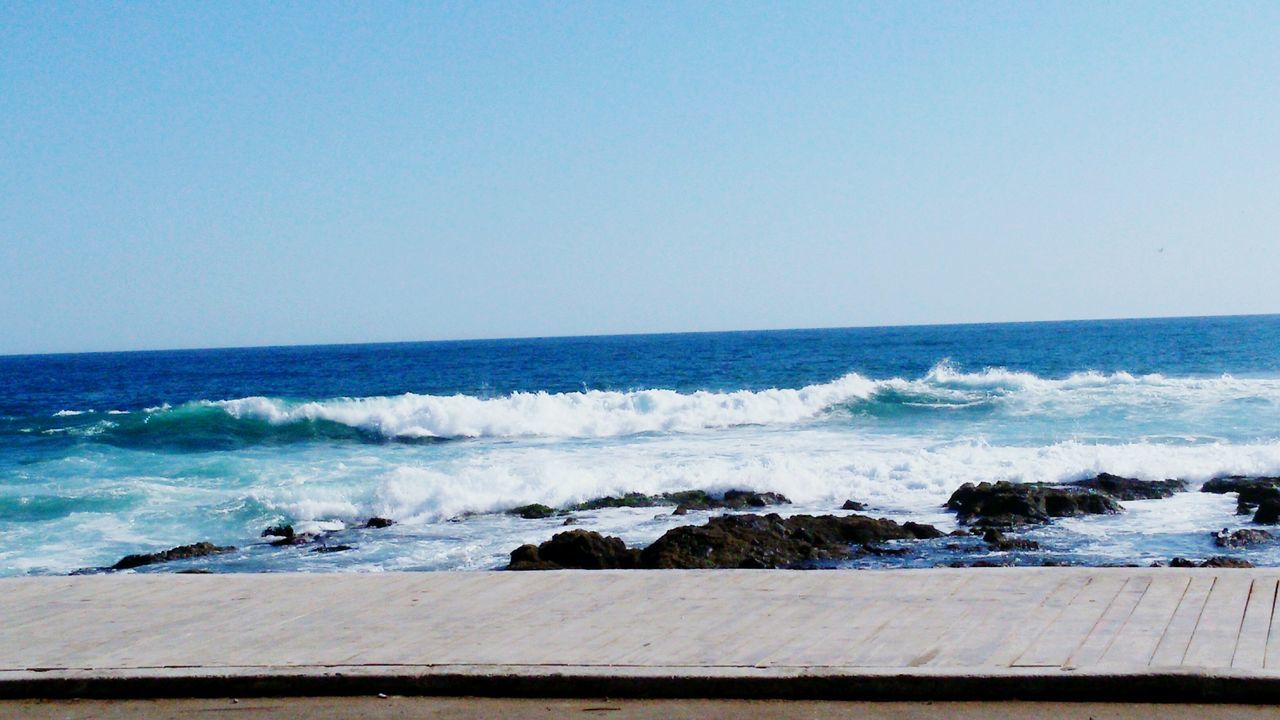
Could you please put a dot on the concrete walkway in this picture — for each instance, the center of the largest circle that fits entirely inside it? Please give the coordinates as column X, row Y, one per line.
column 991, row 633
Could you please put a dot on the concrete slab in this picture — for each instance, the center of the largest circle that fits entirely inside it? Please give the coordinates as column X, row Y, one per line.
column 982, row 633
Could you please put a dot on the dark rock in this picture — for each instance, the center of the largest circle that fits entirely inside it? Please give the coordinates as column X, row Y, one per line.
column 526, row 557
column 1006, row 504
column 581, row 549
column 728, row 541
column 853, row 505
column 285, row 535
column 997, row 540
column 183, row 552
column 680, row 510
column 1241, row 538
column 1260, row 493
column 331, row 548
column 377, row 523
column 732, row 500
column 535, row 511
column 284, row 532
column 630, row 500
column 1218, row 561
column 1222, row 561
column 770, row 541
column 195, row 571
column 571, row 520
column 1122, row 488
column 1240, row 484
column 737, row 499
column 1268, row 511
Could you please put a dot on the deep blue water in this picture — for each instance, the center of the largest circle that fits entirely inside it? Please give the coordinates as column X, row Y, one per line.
column 108, row 453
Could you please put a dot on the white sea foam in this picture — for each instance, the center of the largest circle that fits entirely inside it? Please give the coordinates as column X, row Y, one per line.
column 818, row 468
column 577, row 414
column 603, row 414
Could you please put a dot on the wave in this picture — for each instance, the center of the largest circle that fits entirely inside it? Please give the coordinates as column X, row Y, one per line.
column 943, row 391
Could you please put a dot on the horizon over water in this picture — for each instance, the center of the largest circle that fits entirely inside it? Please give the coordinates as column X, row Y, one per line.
column 646, row 333
column 104, row 454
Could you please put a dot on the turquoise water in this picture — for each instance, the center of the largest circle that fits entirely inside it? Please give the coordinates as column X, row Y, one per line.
column 103, row 455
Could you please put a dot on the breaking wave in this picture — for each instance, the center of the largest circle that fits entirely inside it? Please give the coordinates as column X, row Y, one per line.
column 606, row 414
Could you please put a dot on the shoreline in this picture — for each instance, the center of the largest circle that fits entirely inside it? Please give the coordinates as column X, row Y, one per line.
column 998, row 524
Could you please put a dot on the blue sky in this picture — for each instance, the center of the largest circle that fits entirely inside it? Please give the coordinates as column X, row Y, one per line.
column 214, row 174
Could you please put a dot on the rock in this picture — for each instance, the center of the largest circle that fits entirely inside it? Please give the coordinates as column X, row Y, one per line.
column 331, row 548
column 377, row 523
column 1241, row 538
column 769, row 541
column 1268, row 511
column 686, row 500
column 630, row 500
column 853, row 505
column 1122, row 488
column 728, row 541
column 1260, row 493
column 1218, row 561
column 732, row 500
column 182, row 552
column 580, row 549
column 1006, row 504
column 526, row 557
column 997, row 540
column 736, row 499
column 285, row 535
column 284, row 532
column 535, row 511
column 571, row 520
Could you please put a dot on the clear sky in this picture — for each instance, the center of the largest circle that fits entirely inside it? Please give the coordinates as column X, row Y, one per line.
column 191, row 174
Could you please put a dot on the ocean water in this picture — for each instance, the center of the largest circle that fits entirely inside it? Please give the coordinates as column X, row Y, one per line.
column 103, row 455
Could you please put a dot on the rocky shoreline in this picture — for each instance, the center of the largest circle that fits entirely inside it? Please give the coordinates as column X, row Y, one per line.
column 991, row 518
column 990, row 510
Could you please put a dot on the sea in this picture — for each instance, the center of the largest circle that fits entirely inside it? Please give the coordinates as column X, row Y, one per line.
column 108, row 454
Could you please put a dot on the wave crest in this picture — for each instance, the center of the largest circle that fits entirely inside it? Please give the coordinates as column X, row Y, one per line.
column 589, row 414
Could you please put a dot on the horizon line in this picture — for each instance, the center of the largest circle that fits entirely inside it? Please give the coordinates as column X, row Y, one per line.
column 270, row 346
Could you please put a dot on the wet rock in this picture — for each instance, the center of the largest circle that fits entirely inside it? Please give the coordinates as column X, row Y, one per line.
column 686, row 500
column 1006, row 504
column 377, row 523
column 1241, row 538
column 1122, row 488
column 1268, row 511
column 571, row 520
column 1218, row 561
column 630, row 500
column 284, row 532
column 535, row 511
column 732, row 500
column 182, row 552
column 526, row 557
column 580, row 549
column 853, row 505
column 195, row 571
column 1252, row 493
column 997, row 540
column 737, row 499
column 770, row 541
column 331, row 548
